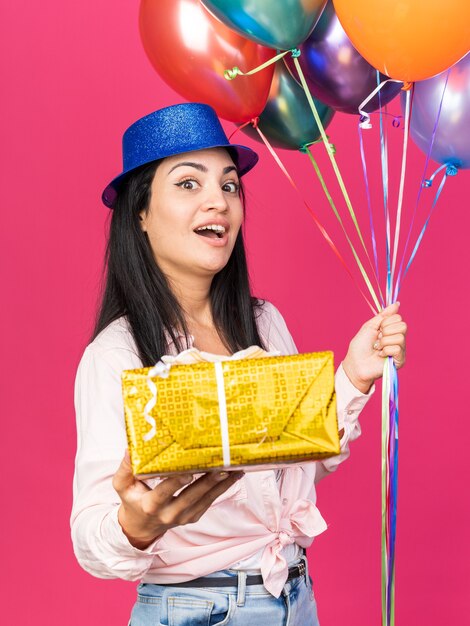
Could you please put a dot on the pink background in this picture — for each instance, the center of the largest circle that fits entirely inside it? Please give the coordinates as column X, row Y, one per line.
column 74, row 76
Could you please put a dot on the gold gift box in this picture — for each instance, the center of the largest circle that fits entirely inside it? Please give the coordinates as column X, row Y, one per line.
column 279, row 410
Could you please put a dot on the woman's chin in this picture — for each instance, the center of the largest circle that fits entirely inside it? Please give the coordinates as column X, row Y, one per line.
column 210, row 265
column 212, row 261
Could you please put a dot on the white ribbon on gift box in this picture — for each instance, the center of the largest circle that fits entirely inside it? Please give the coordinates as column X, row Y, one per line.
column 163, row 370
column 219, row 376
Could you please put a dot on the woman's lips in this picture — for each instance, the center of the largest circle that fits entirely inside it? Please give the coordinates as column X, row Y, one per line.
column 214, row 241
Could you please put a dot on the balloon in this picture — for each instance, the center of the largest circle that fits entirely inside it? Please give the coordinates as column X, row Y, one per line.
column 452, row 139
column 335, row 71
column 408, row 40
column 190, row 49
column 280, row 24
column 287, row 121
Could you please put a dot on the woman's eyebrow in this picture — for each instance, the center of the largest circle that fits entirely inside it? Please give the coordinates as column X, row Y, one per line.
column 198, row 166
column 201, row 167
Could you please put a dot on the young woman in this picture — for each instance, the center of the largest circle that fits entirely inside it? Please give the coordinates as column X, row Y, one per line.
column 224, row 547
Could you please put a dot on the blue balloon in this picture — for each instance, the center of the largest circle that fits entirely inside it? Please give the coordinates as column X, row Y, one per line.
column 280, row 24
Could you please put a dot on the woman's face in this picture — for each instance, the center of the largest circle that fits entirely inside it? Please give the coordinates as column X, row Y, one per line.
column 195, row 212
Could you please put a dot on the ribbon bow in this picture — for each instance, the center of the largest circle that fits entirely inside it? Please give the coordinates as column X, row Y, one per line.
column 304, row 522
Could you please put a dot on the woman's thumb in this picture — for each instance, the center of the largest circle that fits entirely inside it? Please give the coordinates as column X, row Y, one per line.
column 124, row 478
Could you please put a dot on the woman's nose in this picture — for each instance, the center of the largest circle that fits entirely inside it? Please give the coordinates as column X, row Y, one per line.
column 215, row 198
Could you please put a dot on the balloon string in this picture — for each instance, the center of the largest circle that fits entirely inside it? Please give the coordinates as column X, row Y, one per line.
column 385, row 490
column 390, row 414
column 421, row 187
column 391, row 495
column 409, row 93
column 230, row 74
column 384, row 166
column 393, row 481
column 389, row 419
column 313, row 214
column 394, row 410
column 331, row 155
column 396, row 122
column 338, row 217
column 451, row 170
column 369, row 207
column 365, row 117
column 253, row 122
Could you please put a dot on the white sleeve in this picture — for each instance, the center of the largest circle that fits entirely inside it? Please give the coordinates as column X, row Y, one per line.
column 99, row 543
column 349, row 404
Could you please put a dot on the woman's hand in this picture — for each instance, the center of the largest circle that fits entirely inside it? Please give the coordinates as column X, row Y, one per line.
column 382, row 336
column 146, row 514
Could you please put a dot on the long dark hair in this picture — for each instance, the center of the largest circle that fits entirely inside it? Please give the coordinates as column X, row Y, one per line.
column 135, row 286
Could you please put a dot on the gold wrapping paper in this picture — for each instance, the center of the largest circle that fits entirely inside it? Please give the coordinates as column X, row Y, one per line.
column 280, row 410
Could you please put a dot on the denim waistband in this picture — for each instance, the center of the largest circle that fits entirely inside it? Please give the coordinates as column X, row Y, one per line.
column 240, row 586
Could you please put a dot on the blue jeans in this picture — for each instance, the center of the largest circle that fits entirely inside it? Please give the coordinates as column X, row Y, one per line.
column 240, row 605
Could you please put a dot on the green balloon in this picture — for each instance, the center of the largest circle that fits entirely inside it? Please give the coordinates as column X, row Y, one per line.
column 282, row 24
column 287, row 119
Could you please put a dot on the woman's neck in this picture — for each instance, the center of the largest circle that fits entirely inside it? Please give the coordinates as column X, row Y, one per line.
column 193, row 295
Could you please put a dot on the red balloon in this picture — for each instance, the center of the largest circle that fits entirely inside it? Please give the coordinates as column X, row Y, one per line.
column 190, row 49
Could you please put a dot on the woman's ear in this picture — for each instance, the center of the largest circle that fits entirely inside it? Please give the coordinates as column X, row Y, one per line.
column 142, row 221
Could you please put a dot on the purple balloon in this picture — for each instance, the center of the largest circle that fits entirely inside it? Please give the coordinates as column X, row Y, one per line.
column 452, row 139
column 335, row 71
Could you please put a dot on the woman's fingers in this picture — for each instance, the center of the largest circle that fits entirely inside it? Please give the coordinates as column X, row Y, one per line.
column 390, row 325
column 396, row 352
column 194, row 501
column 148, row 513
column 130, row 489
column 391, row 309
column 398, row 328
column 167, row 488
column 378, row 320
column 205, row 490
column 393, row 319
column 381, row 336
column 385, row 318
column 392, row 343
column 391, row 340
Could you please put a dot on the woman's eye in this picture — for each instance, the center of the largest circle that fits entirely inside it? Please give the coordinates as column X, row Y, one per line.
column 188, row 184
column 231, row 187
